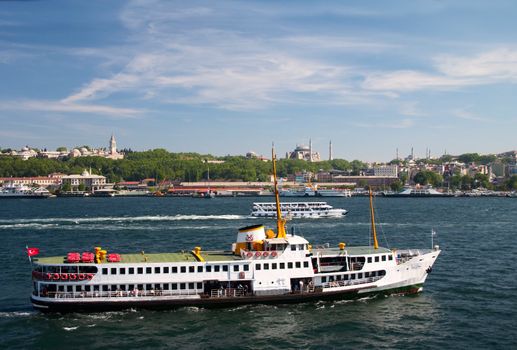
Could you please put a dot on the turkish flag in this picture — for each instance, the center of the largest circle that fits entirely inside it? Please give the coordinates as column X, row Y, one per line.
column 32, row 251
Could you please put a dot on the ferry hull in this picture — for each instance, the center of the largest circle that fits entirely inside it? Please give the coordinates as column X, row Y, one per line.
column 44, row 305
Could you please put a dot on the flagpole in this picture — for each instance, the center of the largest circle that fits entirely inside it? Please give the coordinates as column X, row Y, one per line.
column 27, row 250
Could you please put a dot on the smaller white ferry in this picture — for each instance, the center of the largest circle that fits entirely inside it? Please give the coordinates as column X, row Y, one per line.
column 23, row 191
column 297, row 210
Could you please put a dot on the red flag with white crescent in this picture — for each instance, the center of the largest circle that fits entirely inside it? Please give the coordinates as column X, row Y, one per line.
column 32, row 251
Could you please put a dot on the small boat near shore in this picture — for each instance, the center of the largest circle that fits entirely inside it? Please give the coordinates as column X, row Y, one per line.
column 22, row 191
column 418, row 192
column 312, row 210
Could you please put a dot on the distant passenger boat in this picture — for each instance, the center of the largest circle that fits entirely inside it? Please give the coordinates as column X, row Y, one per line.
column 333, row 193
column 22, row 191
column 418, row 192
column 307, row 191
column 297, row 210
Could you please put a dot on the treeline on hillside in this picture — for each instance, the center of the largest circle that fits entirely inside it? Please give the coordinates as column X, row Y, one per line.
column 162, row 164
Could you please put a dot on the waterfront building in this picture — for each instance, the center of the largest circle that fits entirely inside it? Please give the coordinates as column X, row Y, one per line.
column 89, row 180
column 41, row 181
column 386, row 170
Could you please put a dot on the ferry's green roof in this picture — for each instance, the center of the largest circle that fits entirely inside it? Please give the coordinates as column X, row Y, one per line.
column 359, row 250
column 179, row 257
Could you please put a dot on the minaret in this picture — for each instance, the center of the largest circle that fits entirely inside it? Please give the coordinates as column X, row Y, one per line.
column 113, row 145
column 330, row 150
column 397, row 154
column 310, row 150
column 412, row 154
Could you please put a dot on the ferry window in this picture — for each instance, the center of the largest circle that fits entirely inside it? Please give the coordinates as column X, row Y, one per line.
column 298, row 264
column 225, row 268
column 384, row 258
column 87, row 288
column 208, row 268
column 182, row 285
column 165, row 286
column 338, row 277
column 257, row 267
column 157, row 286
column 191, row 269
column 366, row 274
column 376, row 259
column 140, row 270
column 174, row 269
column 148, row 270
column 331, row 279
column 300, row 247
column 104, row 271
column 183, row 269
column 246, row 267
column 148, row 286
column 131, row 287
column 282, row 265
column 105, row 288
column 273, row 266
column 157, row 269
column 305, row 264
column 390, row 257
column 174, row 286
column 199, row 285
column 382, row 273
column 166, row 269
column 352, row 276
column 369, row 259
column 216, row 268
column 122, row 287
column 360, row 275
column 69, row 288
column 323, row 279
column 266, row 266
column 236, row 268
column 293, row 246
column 191, row 286
column 131, row 270
column 122, row 271
column 345, row 277
column 113, row 270
column 140, row 287
column 289, row 265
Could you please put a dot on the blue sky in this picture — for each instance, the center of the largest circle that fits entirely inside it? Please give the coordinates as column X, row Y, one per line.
column 227, row 77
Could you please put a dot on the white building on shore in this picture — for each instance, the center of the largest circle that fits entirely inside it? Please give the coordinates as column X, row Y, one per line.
column 89, row 180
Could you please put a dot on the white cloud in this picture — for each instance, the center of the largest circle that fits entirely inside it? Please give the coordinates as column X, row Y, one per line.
column 60, row 106
column 451, row 72
column 400, row 124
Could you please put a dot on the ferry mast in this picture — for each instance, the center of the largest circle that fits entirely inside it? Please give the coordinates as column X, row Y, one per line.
column 280, row 221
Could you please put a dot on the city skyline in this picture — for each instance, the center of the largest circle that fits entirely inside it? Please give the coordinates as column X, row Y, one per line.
column 231, row 77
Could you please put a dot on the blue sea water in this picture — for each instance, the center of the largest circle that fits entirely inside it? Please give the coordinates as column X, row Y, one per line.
column 468, row 301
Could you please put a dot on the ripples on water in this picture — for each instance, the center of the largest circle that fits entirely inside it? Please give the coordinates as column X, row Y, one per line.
column 468, row 301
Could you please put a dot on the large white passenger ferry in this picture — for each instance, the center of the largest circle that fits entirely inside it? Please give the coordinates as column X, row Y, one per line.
column 262, row 266
column 23, row 191
column 311, row 210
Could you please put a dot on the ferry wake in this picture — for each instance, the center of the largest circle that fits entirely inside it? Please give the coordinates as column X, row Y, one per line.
column 263, row 266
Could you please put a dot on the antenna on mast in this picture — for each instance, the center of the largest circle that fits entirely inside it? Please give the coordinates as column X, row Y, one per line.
column 280, row 221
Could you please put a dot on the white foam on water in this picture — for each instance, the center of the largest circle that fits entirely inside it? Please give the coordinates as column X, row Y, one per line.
column 15, row 314
column 69, row 329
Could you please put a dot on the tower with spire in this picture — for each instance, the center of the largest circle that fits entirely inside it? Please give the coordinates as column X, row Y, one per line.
column 330, row 150
column 113, row 145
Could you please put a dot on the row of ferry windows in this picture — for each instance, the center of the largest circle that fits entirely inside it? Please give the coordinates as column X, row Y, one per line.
column 352, row 276
column 382, row 258
column 172, row 269
column 281, row 266
column 130, row 287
